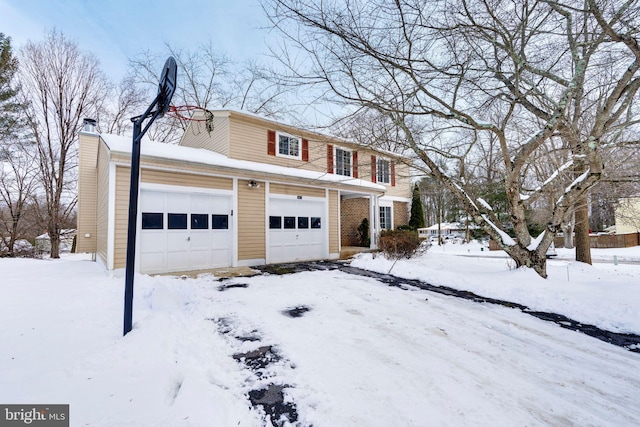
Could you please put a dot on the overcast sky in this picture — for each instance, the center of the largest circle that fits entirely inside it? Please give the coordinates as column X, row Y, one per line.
column 116, row 30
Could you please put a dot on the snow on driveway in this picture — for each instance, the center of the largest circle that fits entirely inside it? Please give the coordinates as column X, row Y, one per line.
column 365, row 354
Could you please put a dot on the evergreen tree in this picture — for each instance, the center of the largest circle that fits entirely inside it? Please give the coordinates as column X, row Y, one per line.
column 417, row 212
column 8, row 103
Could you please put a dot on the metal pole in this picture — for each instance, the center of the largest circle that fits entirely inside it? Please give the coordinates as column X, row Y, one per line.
column 132, row 225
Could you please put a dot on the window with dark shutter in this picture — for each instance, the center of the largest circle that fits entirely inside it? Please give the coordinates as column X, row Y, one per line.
column 373, row 168
column 355, row 164
column 329, row 158
column 393, row 174
column 271, row 142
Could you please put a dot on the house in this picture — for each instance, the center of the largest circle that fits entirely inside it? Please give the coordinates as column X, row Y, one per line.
column 43, row 242
column 447, row 230
column 240, row 190
column 627, row 215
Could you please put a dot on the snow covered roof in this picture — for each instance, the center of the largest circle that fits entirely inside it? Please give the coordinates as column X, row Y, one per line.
column 447, row 226
column 121, row 144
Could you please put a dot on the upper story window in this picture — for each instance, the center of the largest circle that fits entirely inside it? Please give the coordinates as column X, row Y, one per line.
column 343, row 162
column 288, row 146
column 383, row 171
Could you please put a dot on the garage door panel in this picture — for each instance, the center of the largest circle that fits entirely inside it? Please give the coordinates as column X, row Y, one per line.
column 301, row 242
column 185, row 238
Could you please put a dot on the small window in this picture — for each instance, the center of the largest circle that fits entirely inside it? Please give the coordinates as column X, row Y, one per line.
column 199, row 221
column 343, row 162
column 385, row 217
column 220, row 222
column 315, row 222
column 288, row 146
column 177, row 221
column 383, row 171
column 303, row 222
column 275, row 222
column 289, row 222
column 152, row 221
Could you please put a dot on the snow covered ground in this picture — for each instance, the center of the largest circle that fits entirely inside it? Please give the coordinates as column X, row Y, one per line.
column 365, row 354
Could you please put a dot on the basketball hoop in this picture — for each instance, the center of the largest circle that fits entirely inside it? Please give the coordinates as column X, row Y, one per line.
column 189, row 113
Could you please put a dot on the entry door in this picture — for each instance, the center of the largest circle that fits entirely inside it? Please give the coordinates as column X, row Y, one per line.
column 184, row 231
column 297, row 230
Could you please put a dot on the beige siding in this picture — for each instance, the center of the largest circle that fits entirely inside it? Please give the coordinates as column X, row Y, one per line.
column 249, row 142
column 334, row 232
column 103, row 202
column 251, row 221
column 294, row 190
column 185, row 179
column 627, row 215
column 197, row 135
column 121, row 216
column 87, row 192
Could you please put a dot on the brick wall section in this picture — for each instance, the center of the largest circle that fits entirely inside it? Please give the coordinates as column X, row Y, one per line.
column 400, row 214
column 352, row 212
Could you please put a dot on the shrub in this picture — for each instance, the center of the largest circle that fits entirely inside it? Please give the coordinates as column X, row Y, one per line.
column 363, row 233
column 396, row 244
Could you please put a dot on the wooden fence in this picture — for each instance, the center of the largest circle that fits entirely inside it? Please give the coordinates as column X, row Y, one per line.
column 607, row 241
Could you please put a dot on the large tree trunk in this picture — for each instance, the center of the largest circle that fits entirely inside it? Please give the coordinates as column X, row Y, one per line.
column 583, row 244
column 54, row 238
column 526, row 258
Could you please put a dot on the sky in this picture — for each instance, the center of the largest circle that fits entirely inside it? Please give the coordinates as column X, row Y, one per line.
column 117, row 30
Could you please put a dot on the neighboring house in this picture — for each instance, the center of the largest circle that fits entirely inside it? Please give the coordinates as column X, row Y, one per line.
column 43, row 242
column 251, row 191
column 627, row 216
column 447, row 229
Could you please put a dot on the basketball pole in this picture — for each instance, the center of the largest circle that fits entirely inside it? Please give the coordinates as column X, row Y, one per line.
column 161, row 104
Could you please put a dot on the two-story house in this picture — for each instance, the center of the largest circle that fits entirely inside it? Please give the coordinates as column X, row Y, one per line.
column 248, row 191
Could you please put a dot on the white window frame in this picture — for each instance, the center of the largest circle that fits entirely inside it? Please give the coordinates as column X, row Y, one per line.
column 382, row 226
column 288, row 156
column 335, row 160
column 378, row 171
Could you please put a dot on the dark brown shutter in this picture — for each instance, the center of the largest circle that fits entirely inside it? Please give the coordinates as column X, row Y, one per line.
column 271, row 142
column 373, row 169
column 355, row 164
column 305, row 150
column 329, row 158
column 393, row 174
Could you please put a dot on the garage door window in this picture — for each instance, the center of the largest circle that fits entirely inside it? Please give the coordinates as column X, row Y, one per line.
column 315, row 222
column 199, row 221
column 289, row 222
column 152, row 221
column 220, row 222
column 275, row 222
column 303, row 222
column 177, row 221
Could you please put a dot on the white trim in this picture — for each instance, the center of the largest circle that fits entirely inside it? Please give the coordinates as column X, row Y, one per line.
column 183, row 189
column 290, row 197
column 328, row 232
column 395, row 199
column 373, row 221
column 334, row 256
column 234, row 215
column 287, row 156
column 335, row 160
column 384, row 159
column 267, row 195
column 252, row 262
column 111, row 217
column 339, row 223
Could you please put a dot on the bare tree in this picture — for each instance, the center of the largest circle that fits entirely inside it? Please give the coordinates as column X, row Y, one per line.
column 62, row 85
column 208, row 79
column 522, row 72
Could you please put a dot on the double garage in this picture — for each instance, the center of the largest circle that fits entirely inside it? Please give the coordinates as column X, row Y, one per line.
column 184, row 229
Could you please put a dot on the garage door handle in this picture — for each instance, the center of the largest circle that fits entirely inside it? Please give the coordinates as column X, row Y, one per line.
column 189, row 239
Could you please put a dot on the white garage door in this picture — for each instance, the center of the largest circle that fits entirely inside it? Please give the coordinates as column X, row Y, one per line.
column 184, row 231
column 297, row 230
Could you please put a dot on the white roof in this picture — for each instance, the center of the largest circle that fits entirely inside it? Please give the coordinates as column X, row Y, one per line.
column 148, row 148
column 447, row 226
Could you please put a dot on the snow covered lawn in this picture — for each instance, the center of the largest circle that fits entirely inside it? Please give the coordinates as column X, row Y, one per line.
column 365, row 354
